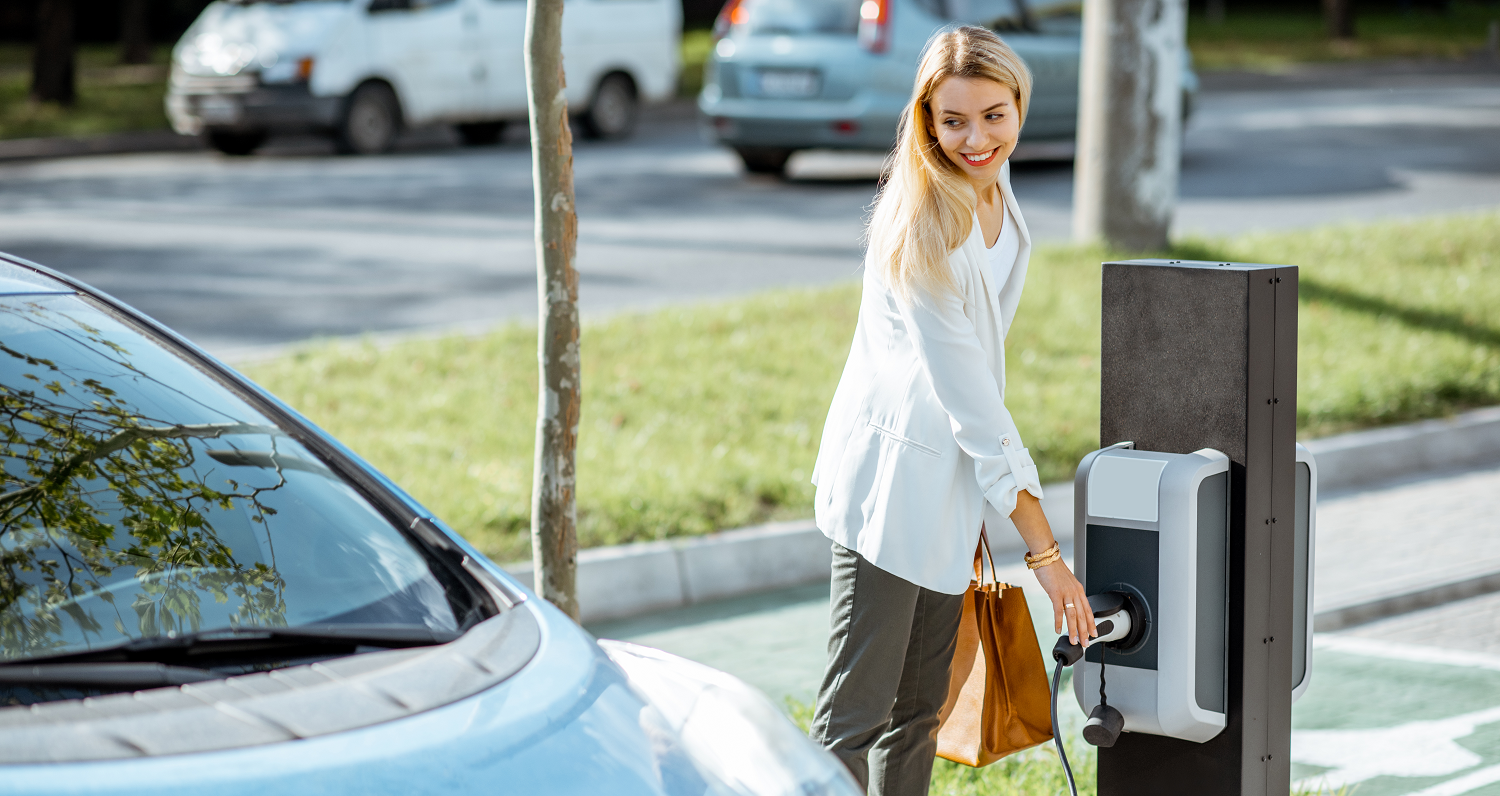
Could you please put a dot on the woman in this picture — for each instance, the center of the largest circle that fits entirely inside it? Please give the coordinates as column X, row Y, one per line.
column 919, row 449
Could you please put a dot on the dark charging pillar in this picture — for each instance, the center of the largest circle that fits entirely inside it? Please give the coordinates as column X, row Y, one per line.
column 1204, row 355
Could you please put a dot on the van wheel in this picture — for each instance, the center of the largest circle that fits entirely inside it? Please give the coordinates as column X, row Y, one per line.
column 235, row 143
column 371, row 120
column 480, row 133
column 612, row 114
column 764, row 159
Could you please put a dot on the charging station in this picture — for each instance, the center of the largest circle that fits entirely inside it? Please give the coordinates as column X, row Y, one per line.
column 1196, row 540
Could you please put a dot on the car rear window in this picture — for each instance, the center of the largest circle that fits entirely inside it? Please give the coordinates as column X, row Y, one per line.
column 802, row 17
column 142, row 497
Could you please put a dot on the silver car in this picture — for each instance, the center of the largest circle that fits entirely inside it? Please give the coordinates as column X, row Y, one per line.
column 786, row 75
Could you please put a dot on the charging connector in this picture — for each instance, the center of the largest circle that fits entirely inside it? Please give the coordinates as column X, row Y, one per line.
column 1117, row 625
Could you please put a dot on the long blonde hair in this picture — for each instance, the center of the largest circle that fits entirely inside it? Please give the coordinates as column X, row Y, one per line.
column 925, row 211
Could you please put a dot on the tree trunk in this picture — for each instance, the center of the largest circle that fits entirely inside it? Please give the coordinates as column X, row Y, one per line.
column 1215, row 12
column 1129, row 122
column 1338, row 16
column 554, row 513
column 135, row 36
column 52, row 78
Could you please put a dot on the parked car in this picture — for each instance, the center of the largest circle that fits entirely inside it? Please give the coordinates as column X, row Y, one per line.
column 200, row 592
column 786, row 75
column 359, row 70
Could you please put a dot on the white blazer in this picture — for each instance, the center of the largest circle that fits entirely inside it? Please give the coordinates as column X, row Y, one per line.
column 918, row 439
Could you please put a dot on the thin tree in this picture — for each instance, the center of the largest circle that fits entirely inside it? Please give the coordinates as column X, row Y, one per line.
column 1338, row 18
column 554, row 513
column 52, row 70
column 1130, row 105
column 135, row 34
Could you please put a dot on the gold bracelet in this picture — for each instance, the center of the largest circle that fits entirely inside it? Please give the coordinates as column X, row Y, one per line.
column 1046, row 559
column 1049, row 556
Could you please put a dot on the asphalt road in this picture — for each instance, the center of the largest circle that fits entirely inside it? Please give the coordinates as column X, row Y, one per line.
column 245, row 253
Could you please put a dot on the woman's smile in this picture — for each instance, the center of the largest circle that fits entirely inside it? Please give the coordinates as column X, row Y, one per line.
column 980, row 158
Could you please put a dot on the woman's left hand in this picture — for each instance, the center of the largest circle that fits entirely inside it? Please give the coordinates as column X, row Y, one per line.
column 1070, row 604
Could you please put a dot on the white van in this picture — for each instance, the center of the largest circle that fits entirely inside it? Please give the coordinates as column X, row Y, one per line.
column 360, row 70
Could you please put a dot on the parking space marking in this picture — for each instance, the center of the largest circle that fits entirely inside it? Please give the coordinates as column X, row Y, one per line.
column 1414, row 749
column 1465, row 784
column 1398, row 719
column 1396, row 651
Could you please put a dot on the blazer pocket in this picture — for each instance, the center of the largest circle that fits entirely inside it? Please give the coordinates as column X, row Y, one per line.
column 907, row 441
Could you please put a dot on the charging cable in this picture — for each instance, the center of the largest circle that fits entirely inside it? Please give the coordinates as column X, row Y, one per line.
column 1112, row 619
column 1056, row 730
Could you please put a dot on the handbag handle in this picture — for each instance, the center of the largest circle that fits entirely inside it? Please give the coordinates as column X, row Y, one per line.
column 979, row 553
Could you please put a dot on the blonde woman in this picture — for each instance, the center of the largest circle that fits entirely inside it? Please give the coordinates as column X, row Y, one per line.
column 919, row 449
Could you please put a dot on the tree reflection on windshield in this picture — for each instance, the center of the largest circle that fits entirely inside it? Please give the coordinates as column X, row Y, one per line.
column 101, row 498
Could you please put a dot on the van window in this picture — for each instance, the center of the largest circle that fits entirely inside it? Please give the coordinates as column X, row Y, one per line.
column 802, row 17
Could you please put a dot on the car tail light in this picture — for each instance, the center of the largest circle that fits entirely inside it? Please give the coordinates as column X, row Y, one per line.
column 733, row 13
column 875, row 25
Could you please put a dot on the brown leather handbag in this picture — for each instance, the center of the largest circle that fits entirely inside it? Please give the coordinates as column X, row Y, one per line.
column 999, row 701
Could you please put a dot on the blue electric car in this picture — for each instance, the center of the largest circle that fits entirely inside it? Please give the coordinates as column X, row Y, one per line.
column 200, row 593
column 787, row 75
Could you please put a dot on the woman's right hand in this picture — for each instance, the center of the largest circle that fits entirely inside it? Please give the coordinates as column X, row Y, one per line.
column 1070, row 604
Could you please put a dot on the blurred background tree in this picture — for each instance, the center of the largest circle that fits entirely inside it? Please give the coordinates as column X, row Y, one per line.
column 53, row 76
column 135, row 32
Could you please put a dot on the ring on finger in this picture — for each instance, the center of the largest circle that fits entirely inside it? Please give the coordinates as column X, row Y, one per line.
column 1069, row 605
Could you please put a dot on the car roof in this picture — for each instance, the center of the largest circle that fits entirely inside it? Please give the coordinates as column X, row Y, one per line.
column 16, row 280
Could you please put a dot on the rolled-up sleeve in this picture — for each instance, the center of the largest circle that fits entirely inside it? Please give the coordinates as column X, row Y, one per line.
column 950, row 354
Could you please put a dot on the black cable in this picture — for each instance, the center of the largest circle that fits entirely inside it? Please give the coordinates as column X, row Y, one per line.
column 1102, row 700
column 1057, row 732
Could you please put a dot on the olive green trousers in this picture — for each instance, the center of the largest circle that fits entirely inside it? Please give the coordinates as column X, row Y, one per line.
column 890, row 649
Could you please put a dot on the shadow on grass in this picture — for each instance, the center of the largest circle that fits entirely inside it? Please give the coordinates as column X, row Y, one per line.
column 1415, row 317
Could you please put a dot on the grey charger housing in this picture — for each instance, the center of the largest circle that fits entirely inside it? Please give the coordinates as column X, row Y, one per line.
column 1156, row 526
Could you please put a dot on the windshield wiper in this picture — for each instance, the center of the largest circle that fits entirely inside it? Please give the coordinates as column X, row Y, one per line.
column 226, row 642
column 123, row 675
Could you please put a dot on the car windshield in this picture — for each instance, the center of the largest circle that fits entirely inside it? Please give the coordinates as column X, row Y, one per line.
column 802, row 17
column 143, row 498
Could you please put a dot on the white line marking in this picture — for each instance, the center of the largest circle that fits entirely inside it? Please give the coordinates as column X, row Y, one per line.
column 1396, row 651
column 1469, row 782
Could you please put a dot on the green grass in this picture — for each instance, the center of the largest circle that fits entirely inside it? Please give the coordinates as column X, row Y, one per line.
column 111, row 98
column 1277, row 40
column 708, row 417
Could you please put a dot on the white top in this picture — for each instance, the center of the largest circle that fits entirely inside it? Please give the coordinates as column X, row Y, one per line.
column 1002, row 256
column 919, row 445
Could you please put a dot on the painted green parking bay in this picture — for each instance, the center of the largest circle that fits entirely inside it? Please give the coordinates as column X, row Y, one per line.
column 1392, row 719
column 1397, row 719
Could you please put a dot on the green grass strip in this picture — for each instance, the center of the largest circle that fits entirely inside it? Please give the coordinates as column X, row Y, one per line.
column 1278, row 40
column 111, row 98
column 707, row 417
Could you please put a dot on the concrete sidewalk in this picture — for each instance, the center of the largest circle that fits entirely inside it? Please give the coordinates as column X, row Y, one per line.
column 1406, row 705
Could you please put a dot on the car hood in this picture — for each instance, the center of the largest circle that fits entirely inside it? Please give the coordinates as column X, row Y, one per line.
column 568, row 723
column 228, row 38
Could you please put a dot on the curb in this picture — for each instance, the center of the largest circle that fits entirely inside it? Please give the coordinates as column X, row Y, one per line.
column 20, row 149
column 1363, row 457
column 634, row 579
column 630, row 580
column 1397, row 604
